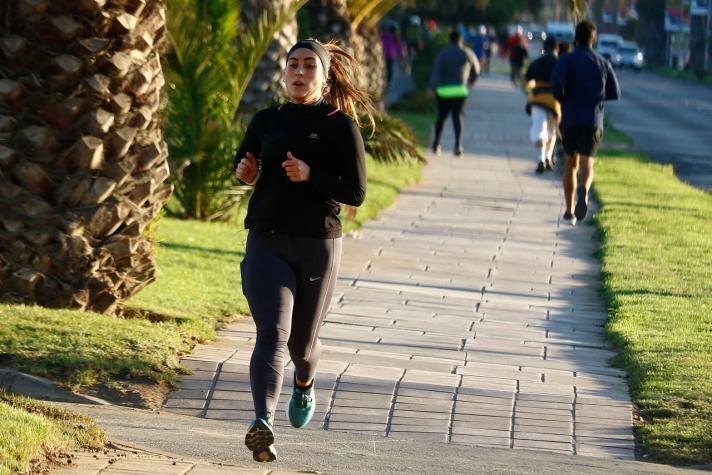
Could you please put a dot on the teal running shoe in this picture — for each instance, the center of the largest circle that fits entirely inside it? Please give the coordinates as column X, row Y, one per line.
column 260, row 440
column 300, row 408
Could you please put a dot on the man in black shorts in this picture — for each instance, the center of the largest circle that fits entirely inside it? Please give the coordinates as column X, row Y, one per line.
column 582, row 80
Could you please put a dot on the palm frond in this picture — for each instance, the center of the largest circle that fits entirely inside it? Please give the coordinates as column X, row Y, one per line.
column 381, row 10
column 208, row 67
column 391, row 141
column 578, row 8
column 371, row 11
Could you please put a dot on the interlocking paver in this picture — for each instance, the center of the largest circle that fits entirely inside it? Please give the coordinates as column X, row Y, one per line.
column 465, row 313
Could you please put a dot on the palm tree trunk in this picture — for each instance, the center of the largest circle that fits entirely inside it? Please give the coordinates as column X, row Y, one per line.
column 369, row 52
column 82, row 158
column 329, row 19
column 265, row 87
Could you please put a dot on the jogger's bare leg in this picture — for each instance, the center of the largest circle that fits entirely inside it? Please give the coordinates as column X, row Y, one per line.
column 572, row 162
column 587, row 171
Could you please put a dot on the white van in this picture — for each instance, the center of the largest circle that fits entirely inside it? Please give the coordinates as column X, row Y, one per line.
column 608, row 45
column 562, row 31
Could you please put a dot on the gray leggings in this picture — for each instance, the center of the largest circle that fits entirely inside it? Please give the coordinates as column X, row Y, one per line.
column 288, row 282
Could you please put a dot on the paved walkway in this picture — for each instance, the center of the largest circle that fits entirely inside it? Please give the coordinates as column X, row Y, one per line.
column 467, row 313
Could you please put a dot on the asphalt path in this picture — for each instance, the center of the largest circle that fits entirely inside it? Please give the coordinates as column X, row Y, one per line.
column 670, row 120
column 318, row 451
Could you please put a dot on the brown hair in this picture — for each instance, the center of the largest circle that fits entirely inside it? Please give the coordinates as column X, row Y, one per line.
column 342, row 88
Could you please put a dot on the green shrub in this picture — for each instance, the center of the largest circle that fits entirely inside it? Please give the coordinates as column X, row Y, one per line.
column 424, row 60
column 417, row 101
column 391, row 141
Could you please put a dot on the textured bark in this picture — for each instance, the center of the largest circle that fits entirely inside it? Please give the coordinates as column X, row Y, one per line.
column 369, row 52
column 266, row 87
column 82, row 159
column 329, row 19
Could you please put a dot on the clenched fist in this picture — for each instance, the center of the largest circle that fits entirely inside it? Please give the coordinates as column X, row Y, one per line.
column 247, row 169
column 296, row 169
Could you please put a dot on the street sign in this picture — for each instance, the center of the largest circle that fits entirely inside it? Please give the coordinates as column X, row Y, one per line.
column 699, row 7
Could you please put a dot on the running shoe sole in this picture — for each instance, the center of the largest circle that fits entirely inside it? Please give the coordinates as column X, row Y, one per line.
column 260, row 439
column 581, row 205
column 265, row 455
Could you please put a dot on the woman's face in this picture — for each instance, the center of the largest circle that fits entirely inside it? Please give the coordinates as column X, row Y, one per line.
column 304, row 76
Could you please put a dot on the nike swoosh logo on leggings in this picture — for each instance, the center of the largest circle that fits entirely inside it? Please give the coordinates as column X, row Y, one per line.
column 314, row 279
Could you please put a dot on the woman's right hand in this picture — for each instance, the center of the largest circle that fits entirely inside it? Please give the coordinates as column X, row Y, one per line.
column 247, row 169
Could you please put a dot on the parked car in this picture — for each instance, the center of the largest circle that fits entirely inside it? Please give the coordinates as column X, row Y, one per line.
column 562, row 31
column 631, row 56
column 608, row 46
column 535, row 32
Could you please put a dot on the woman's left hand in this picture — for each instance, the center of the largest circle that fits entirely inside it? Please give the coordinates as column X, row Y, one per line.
column 296, row 169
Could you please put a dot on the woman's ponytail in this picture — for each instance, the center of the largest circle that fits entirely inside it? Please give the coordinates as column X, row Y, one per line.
column 342, row 87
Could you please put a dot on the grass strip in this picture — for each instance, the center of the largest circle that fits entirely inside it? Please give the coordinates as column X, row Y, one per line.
column 681, row 74
column 420, row 123
column 656, row 237
column 33, row 434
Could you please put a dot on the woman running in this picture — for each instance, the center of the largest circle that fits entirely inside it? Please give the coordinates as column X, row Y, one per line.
column 304, row 157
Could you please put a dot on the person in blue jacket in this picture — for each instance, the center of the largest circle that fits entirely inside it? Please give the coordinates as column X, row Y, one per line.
column 582, row 80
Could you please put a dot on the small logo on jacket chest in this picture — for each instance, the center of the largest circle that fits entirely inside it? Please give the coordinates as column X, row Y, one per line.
column 313, row 135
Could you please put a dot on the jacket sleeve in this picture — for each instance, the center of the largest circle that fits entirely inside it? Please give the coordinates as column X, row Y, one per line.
column 558, row 79
column 474, row 68
column 435, row 74
column 529, row 75
column 613, row 88
column 349, row 187
column 251, row 142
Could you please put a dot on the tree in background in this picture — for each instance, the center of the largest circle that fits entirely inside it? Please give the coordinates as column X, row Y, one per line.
column 451, row 12
column 82, row 159
column 265, row 86
column 366, row 41
column 698, row 40
column 535, row 7
column 326, row 19
column 651, row 30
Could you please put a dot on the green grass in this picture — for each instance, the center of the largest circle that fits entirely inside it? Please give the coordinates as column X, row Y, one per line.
column 421, row 124
column 82, row 349
column 656, row 238
column 199, row 273
column 689, row 75
column 33, row 433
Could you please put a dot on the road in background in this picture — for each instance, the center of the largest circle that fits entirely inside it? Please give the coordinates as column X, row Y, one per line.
column 670, row 120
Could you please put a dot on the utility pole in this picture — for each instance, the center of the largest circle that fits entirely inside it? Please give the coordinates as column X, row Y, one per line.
column 708, row 36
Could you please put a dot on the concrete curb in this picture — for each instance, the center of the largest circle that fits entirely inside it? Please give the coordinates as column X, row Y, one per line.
column 24, row 384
